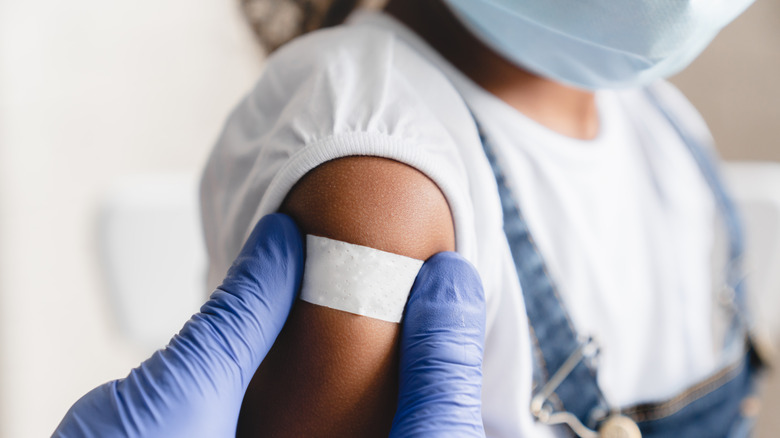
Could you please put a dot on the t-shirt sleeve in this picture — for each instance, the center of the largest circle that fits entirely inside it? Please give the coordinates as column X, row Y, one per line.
column 331, row 94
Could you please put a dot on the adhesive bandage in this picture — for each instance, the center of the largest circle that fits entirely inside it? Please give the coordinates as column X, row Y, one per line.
column 357, row 279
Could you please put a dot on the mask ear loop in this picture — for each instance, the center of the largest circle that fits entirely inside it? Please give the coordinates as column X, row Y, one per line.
column 543, row 411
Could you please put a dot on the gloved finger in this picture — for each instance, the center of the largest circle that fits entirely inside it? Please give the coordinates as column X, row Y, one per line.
column 243, row 317
column 219, row 349
column 442, row 337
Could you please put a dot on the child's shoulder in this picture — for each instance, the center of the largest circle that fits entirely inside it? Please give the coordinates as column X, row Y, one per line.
column 354, row 84
column 343, row 58
column 341, row 92
column 672, row 100
column 343, row 44
column 666, row 102
column 363, row 69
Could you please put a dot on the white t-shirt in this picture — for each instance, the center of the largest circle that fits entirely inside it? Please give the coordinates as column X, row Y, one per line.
column 625, row 222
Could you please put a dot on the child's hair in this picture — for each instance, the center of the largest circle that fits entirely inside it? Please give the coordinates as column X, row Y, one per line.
column 275, row 22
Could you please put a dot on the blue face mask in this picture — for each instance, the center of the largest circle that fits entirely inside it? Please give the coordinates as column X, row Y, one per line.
column 598, row 43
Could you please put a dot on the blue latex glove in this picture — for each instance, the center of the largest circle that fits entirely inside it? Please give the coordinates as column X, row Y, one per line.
column 442, row 335
column 195, row 386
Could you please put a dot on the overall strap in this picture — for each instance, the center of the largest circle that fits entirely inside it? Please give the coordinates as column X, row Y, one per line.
column 566, row 387
column 733, row 290
column 565, row 381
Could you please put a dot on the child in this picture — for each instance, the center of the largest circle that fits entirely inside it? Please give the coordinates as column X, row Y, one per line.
column 538, row 140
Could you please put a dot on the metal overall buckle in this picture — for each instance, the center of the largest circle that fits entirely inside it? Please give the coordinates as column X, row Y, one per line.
column 614, row 425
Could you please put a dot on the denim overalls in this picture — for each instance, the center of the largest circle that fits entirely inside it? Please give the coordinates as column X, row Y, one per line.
column 566, row 389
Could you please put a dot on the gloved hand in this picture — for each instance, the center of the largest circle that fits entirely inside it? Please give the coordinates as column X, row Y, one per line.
column 195, row 386
column 442, row 335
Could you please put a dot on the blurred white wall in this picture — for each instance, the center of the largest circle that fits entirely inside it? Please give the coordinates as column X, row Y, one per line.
column 92, row 91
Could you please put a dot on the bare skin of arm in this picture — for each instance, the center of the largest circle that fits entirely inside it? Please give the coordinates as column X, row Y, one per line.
column 332, row 373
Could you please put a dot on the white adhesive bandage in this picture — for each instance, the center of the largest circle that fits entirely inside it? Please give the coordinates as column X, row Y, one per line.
column 357, row 279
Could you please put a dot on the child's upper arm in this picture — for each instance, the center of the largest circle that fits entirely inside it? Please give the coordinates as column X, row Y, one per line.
column 333, row 373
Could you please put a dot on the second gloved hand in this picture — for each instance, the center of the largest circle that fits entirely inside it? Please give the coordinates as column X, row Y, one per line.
column 442, row 337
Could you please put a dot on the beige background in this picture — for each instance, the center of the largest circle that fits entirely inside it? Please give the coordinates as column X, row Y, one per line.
column 92, row 91
column 736, row 86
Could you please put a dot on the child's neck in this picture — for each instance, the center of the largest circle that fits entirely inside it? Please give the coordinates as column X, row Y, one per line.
column 566, row 110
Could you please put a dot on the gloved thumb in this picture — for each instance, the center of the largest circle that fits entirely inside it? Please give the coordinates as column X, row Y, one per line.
column 442, row 337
